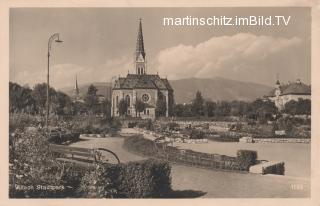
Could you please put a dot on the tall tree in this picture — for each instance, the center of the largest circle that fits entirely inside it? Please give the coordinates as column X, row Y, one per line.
column 210, row 108
column 59, row 102
column 123, row 107
column 140, row 106
column 197, row 106
column 91, row 99
column 161, row 105
column 39, row 94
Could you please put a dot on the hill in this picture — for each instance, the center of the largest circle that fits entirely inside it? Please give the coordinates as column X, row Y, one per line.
column 215, row 89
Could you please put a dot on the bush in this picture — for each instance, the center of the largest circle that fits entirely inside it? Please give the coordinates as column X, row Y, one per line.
column 246, row 158
column 32, row 164
column 148, row 178
column 274, row 169
column 196, row 134
column 21, row 121
column 132, row 124
column 140, row 145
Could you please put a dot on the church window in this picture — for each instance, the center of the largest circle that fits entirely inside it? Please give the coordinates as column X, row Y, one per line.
column 147, row 112
column 145, row 98
column 144, row 111
column 117, row 101
column 128, row 100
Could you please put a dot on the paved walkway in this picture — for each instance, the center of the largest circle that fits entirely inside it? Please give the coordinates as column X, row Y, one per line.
column 212, row 183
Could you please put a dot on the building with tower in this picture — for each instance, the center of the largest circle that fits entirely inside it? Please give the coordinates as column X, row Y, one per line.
column 142, row 86
column 76, row 93
column 283, row 93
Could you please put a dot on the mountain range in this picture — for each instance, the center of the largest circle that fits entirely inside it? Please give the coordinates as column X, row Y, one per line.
column 215, row 89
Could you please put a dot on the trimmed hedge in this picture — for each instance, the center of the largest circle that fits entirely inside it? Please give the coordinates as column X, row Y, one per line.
column 274, row 169
column 247, row 158
column 138, row 144
column 148, row 178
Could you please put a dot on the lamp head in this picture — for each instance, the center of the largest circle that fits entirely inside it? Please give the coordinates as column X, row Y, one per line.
column 59, row 41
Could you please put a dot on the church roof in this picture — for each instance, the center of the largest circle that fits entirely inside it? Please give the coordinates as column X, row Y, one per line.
column 297, row 88
column 145, row 81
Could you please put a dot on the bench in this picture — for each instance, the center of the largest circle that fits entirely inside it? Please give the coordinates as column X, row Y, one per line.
column 81, row 156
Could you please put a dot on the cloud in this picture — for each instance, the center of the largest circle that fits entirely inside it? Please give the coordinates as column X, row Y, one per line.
column 219, row 55
column 63, row 75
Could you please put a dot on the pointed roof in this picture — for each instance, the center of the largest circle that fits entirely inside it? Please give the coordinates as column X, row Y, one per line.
column 295, row 88
column 76, row 88
column 146, row 81
column 140, row 44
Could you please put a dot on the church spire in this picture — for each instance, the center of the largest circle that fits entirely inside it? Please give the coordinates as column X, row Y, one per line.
column 76, row 88
column 140, row 56
column 140, row 44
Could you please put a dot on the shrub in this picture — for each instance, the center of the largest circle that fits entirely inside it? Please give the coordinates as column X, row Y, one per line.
column 132, row 124
column 140, row 145
column 148, row 178
column 274, row 169
column 32, row 164
column 196, row 134
column 246, row 158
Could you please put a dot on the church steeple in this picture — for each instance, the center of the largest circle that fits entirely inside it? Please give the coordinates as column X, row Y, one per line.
column 140, row 56
column 76, row 88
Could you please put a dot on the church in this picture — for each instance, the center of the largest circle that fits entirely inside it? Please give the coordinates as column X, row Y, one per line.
column 142, row 86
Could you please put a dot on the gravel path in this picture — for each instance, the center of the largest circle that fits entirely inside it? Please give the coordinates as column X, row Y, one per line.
column 194, row 182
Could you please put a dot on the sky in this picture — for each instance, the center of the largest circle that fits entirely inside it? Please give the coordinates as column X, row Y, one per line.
column 99, row 43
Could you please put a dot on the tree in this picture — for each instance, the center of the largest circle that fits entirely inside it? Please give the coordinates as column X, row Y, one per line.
column 91, row 99
column 302, row 106
column 161, row 105
column 223, row 108
column 59, row 101
column 197, row 106
column 210, row 108
column 139, row 106
column 262, row 110
column 105, row 108
column 123, row 107
column 39, row 94
column 21, row 99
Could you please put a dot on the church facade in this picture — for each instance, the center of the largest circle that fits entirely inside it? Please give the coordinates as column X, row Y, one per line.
column 142, row 86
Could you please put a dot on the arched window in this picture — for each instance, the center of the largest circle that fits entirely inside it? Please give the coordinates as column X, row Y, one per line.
column 128, row 100
column 117, row 101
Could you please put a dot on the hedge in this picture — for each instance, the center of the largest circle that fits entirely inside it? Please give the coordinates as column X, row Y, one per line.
column 247, row 158
column 147, row 178
column 138, row 144
column 274, row 169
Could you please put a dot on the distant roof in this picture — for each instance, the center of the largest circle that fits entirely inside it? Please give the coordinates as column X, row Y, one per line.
column 297, row 88
column 144, row 81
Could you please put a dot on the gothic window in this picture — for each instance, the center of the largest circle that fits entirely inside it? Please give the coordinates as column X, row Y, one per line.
column 145, row 98
column 147, row 112
column 128, row 100
column 117, row 101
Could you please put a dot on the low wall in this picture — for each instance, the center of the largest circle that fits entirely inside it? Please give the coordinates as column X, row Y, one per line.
column 268, row 168
column 139, row 144
column 281, row 140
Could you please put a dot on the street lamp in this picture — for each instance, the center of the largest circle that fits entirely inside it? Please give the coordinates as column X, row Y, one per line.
column 53, row 38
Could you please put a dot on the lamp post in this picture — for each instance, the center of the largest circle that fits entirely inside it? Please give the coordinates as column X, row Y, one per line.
column 53, row 38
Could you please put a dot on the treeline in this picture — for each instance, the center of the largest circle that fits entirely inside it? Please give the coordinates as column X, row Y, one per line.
column 33, row 101
column 260, row 109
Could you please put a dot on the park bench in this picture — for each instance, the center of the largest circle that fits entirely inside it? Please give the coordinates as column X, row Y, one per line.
column 82, row 156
